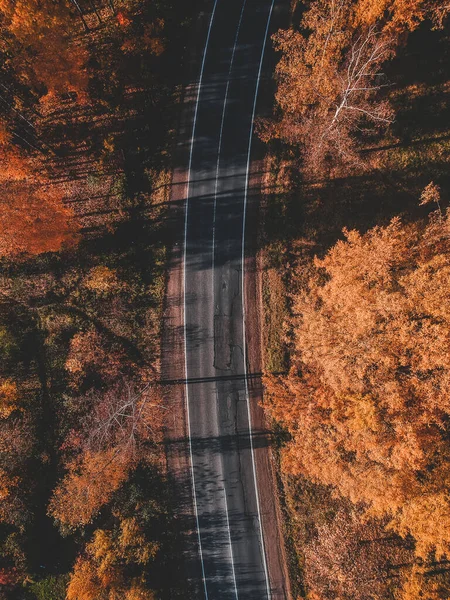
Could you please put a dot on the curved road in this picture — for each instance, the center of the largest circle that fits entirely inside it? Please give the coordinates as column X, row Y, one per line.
column 231, row 547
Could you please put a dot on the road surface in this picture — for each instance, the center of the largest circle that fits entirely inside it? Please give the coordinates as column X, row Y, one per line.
column 222, row 442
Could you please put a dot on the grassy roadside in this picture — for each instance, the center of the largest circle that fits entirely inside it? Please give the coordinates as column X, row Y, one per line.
column 271, row 260
column 275, row 357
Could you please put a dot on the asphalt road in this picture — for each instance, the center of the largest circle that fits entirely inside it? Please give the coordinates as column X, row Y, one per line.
column 222, row 442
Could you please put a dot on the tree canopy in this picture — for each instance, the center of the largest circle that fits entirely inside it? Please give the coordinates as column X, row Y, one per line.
column 331, row 78
column 367, row 399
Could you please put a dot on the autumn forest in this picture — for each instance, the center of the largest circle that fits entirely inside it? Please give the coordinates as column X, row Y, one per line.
column 87, row 115
column 354, row 258
column 358, row 378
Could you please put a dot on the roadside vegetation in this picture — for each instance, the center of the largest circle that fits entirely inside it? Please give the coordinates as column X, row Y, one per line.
column 88, row 94
column 355, row 247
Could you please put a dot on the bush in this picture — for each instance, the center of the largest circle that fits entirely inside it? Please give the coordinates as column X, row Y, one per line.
column 50, row 588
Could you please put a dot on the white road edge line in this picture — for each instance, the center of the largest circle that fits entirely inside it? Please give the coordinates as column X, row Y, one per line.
column 244, row 222
column 216, row 188
column 184, row 296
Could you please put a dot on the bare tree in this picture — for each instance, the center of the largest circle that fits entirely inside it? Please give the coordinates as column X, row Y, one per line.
column 362, row 79
column 354, row 107
column 124, row 417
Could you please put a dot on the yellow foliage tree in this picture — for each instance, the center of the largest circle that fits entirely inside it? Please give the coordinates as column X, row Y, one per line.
column 102, row 280
column 8, row 398
column 102, row 572
column 89, row 484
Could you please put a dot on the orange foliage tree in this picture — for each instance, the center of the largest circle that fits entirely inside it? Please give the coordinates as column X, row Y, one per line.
column 38, row 32
column 368, row 398
column 89, row 484
column 89, row 353
column 10, row 502
column 420, row 583
column 330, row 74
column 33, row 218
column 103, row 572
column 401, row 15
column 33, row 221
column 8, row 398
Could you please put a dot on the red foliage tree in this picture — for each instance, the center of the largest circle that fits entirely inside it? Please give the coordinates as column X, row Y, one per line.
column 39, row 35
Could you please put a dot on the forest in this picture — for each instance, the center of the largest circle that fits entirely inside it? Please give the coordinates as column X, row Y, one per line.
column 356, row 254
column 354, row 250
column 88, row 109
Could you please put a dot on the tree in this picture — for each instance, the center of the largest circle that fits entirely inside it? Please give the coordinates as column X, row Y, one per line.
column 16, row 441
column 9, row 577
column 104, row 571
column 329, row 84
column 124, row 417
column 421, row 584
column 89, row 484
column 11, row 506
column 330, row 75
column 352, row 558
column 33, row 218
column 401, row 15
column 90, row 355
column 431, row 193
column 50, row 588
column 368, row 398
column 110, row 441
column 84, row 584
column 38, row 33
column 8, row 398
column 33, row 221
column 16, row 167
column 103, row 281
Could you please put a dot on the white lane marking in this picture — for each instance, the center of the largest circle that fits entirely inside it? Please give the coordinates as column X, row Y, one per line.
column 216, row 189
column 244, row 221
column 184, row 297
column 229, row 541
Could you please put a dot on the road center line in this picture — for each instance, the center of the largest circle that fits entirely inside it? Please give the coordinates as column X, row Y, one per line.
column 216, row 188
column 191, row 457
column 244, row 222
